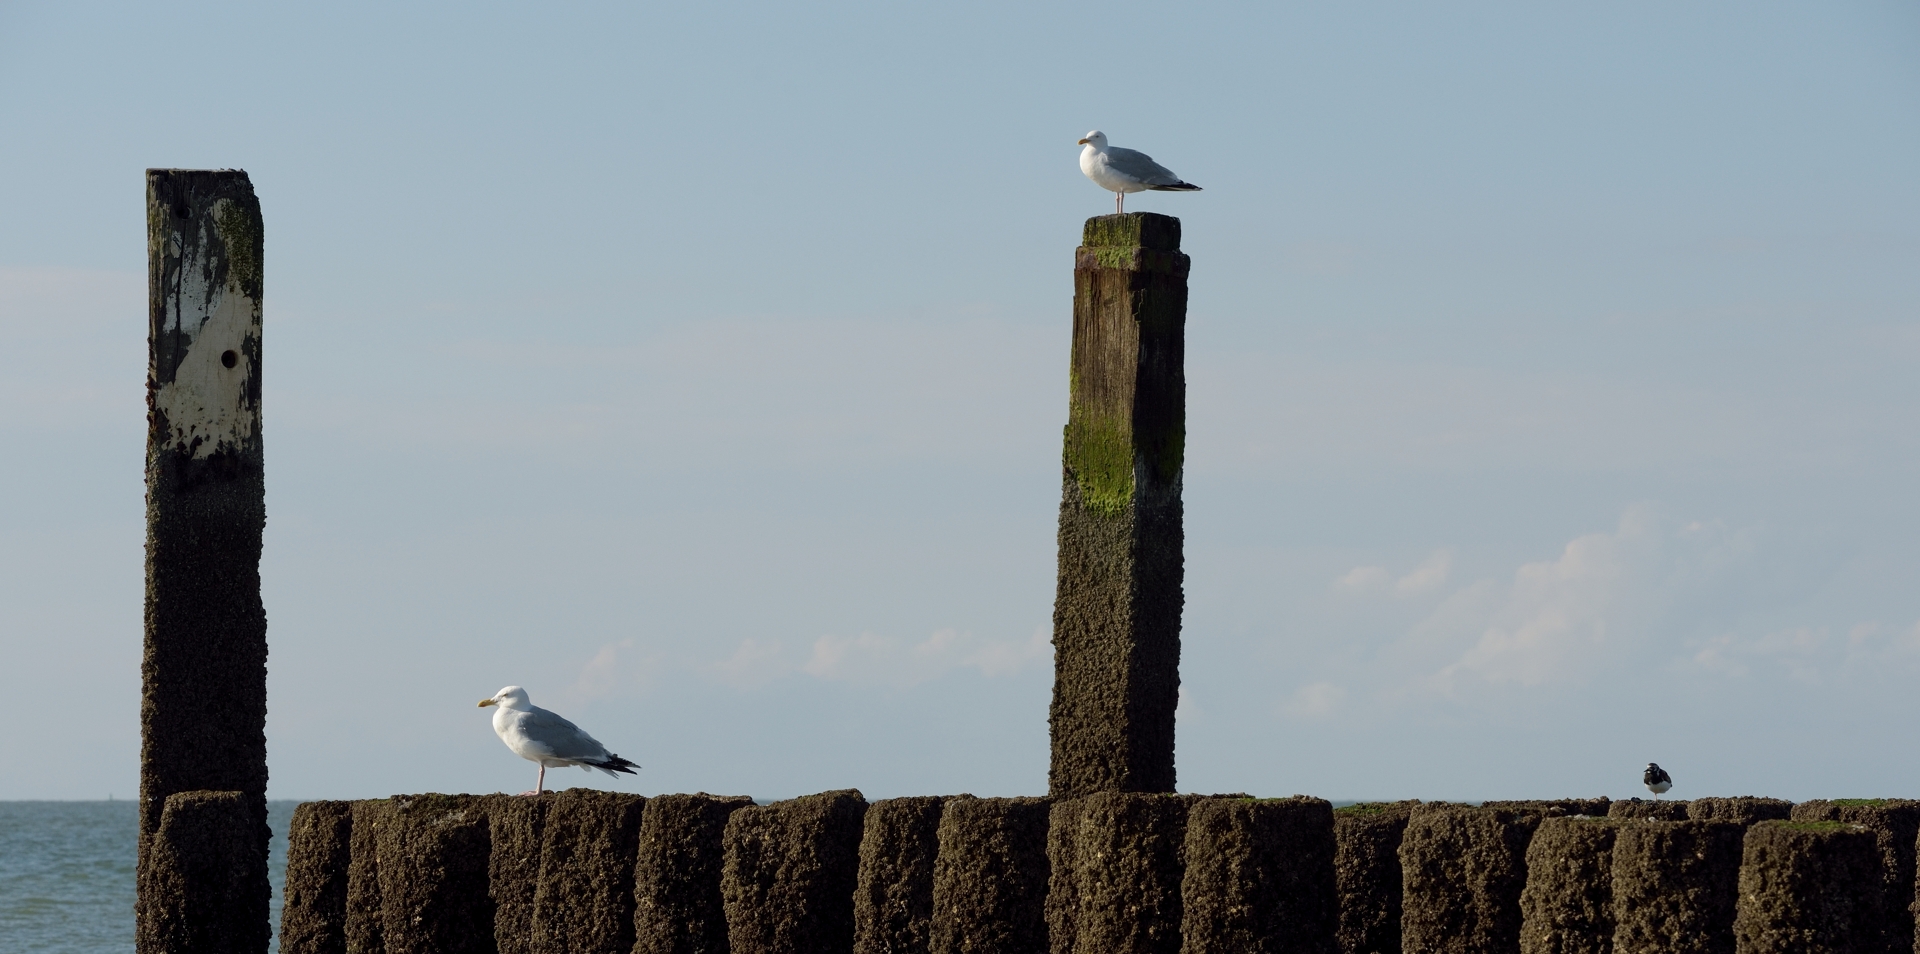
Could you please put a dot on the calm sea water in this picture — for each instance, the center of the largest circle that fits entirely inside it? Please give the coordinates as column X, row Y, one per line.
column 66, row 875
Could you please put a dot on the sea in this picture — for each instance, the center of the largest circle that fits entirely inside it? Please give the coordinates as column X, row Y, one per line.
column 66, row 875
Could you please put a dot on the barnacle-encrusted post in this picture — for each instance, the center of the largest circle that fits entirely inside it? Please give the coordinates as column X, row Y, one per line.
column 1116, row 616
column 203, row 699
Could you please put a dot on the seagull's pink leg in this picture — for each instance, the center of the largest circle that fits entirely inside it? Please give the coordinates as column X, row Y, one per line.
column 1119, row 203
column 540, row 782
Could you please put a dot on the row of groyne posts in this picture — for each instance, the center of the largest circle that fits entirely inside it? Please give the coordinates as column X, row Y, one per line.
column 1110, row 861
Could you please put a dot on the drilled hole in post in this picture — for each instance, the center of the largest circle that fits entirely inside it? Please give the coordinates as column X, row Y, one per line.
column 229, row 359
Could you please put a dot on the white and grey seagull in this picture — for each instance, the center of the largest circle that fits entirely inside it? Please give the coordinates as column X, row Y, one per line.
column 1656, row 778
column 546, row 739
column 1121, row 171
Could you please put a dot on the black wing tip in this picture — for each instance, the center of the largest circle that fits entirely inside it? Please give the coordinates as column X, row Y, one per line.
column 616, row 764
column 1182, row 187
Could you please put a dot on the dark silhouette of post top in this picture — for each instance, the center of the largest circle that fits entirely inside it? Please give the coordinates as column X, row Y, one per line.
column 1116, row 615
column 203, row 701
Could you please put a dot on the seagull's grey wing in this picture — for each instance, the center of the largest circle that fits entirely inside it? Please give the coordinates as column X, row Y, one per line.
column 1138, row 165
column 561, row 739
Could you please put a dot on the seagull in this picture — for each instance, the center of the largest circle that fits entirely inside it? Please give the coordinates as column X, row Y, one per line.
column 546, row 739
column 1657, row 779
column 1121, row 171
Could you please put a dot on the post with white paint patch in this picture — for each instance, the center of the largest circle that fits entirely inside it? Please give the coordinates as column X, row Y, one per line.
column 203, row 702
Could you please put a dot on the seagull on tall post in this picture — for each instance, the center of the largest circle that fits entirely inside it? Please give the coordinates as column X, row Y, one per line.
column 546, row 739
column 1121, row 171
column 1657, row 779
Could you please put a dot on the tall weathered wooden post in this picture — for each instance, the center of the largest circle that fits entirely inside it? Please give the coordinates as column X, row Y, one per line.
column 203, row 704
column 1116, row 616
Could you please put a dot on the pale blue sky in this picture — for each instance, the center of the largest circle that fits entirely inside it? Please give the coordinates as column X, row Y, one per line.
column 1552, row 385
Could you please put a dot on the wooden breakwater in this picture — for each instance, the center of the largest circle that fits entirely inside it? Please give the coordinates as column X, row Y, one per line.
column 1111, row 862
column 590, row 872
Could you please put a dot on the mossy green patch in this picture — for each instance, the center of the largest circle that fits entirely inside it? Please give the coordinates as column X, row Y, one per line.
column 1366, row 808
column 1861, row 802
column 240, row 232
column 1110, row 256
column 156, row 227
column 1133, row 229
column 1099, row 452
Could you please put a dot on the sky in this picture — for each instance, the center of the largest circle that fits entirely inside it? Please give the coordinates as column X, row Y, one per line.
column 1552, row 377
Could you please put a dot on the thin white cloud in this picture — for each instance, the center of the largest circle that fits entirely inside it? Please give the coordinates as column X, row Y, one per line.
column 1363, row 579
column 1316, row 701
column 1559, row 618
column 613, row 667
column 754, row 664
column 1427, row 577
column 873, row 659
column 1811, row 654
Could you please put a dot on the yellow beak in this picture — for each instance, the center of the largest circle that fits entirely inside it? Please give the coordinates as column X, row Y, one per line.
column 485, row 703
column 1081, row 142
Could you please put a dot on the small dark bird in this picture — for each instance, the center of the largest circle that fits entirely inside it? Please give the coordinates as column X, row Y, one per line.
column 1657, row 779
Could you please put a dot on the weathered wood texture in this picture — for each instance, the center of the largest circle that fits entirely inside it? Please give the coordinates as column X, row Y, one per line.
column 893, row 901
column 990, row 877
column 1590, row 807
column 1462, row 872
column 513, row 868
column 1117, row 860
column 365, row 928
column 433, row 860
column 1895, row 824
column 1366, row 875
column 1259, row 877
column 1567, row 904
column 196, row 890
column 677, row 907
column 1116, row 618
column 1741, row 810
column 789, row 874
column 203, row 703
column 1674, row 886
column 1649, row 809
column 588, row 848
column 313, row 917
column 1809, row 888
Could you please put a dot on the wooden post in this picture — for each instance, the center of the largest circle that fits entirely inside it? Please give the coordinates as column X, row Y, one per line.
column 990, row 877
column 893, row 896
column 789, row 873
column 203, row 702
column 1116, row 616
column 1260, row 877
column 193, row 885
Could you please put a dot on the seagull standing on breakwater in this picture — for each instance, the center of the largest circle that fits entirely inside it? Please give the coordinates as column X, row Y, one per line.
column 547, row 739
column 1657, row 779
column 1121, row 171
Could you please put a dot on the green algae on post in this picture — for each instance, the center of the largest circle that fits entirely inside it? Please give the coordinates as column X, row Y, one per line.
column 1116, row 631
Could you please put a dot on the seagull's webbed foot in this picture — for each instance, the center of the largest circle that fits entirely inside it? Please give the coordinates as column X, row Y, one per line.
column 528, row 794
